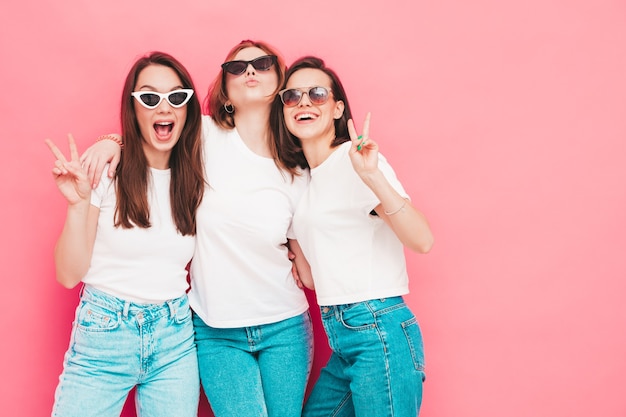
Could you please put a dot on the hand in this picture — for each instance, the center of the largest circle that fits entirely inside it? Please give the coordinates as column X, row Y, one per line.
column 364, row 151
column 70, row 177
column 294, row 269
column 96, row 157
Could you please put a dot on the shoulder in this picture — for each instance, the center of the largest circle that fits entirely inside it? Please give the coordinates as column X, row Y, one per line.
column 207, row 122
column 105, row 180
column 303, row 176
column 302, row 172
column 384, row 165
column 343, row 151
column 391, row 176
column 103, row 189
column 211, row 131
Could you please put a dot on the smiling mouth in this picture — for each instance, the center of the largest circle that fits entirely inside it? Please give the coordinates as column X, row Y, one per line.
column 305, row 116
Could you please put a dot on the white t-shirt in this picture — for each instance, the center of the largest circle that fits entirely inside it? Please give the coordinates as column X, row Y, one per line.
column 139, row 265
column 354, row 256
column 240, row 274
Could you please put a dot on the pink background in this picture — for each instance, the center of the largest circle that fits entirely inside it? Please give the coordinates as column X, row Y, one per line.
column 505, row 121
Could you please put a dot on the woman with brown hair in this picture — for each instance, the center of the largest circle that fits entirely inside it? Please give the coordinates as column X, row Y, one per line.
column 353, row 223
column 129, row 241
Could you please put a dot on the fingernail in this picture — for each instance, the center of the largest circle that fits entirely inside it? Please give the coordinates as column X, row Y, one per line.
column 358, row 148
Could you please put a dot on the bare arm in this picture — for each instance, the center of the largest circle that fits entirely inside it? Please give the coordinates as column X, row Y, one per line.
column 72, row 253
column 409, row 224
column 74, row 247
column 302, row 265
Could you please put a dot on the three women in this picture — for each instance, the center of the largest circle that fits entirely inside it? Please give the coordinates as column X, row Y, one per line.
column 352, row 223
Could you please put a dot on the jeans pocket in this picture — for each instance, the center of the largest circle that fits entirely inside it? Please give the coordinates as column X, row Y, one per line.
column 95, row 318
column 413, row 336
column 182, row 314
column 358, row 317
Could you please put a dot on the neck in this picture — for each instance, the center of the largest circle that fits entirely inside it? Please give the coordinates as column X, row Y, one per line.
column 317, row 150
column 157, row 160
column 253, row 127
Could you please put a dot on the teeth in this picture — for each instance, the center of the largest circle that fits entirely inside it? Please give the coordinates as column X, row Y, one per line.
column 305, row 116
column 163, row 128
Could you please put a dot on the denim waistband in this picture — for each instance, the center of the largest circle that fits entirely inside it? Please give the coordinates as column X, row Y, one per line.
column 129, row 308
column 374, row 305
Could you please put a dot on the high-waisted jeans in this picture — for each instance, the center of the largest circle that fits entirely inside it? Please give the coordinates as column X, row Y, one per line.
column 256, row 371
column 117, row 345
column 376, row 368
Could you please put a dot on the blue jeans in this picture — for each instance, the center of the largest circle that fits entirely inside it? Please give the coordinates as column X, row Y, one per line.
column 376, row 368
column 256, row 371
column 117, row 345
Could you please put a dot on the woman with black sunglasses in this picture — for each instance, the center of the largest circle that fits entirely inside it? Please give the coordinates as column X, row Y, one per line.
column 352, row 224
column 252, row 324
column 129, row 242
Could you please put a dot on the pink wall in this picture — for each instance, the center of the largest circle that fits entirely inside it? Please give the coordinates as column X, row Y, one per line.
column 505, row 120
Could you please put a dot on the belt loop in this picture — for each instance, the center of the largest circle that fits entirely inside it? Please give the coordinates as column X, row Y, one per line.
column 81, row 291
column 170, row 304
column 126, row 307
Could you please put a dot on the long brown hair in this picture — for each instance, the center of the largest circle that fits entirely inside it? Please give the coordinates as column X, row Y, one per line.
column 284, row 138
column 133, row 173
column 218, row 96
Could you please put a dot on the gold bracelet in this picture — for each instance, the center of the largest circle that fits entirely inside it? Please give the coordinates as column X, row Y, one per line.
column 113, row 138
column 390, row 213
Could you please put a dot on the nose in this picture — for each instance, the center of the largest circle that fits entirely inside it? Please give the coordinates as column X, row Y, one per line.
column 164, row 106
column 250, row 70
column 302, row 102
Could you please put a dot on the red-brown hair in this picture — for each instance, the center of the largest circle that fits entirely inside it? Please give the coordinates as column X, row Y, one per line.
column 218, row 96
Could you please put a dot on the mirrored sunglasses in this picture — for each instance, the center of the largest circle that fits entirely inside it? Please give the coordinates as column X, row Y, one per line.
column 292, row 96
column 262, row 63
column 152, row 99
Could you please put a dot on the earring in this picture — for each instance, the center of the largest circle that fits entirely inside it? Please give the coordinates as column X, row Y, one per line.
column 230, row 109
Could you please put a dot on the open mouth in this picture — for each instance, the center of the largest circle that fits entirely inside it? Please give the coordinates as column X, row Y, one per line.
column 164, row 128
column 305, row 116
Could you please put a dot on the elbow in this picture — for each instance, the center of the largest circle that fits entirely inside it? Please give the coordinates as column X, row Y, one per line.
column 423, row 246
column 67, row 284
column 68, row 281
column 306, row 278
column 309, row 284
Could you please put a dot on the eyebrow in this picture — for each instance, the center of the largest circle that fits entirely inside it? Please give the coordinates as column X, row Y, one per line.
column 151, row 88
column 309, row 87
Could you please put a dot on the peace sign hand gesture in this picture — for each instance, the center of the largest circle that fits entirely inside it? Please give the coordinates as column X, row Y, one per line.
column 364, row 151
column 70, row 176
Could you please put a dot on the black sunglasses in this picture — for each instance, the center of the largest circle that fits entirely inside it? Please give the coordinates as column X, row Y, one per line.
column 292, row 96
column 262, row 63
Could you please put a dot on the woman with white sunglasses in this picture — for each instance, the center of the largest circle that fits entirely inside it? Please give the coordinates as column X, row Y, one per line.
column 253, row 329
column 129, row 241
column 352, row 224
